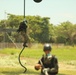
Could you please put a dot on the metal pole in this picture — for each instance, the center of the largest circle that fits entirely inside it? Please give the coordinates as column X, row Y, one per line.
column 24, row 9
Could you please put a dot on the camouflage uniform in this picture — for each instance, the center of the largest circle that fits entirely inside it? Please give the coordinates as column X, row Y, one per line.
column 50, row 62
column 23, row 31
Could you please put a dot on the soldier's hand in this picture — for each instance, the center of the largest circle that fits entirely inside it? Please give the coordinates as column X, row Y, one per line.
column 53, row 70
column 37, row 66
column 45, row 71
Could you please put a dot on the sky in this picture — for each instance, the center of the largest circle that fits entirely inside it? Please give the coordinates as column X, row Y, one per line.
column 57, row 10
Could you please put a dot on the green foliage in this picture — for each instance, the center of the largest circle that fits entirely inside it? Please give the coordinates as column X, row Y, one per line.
column 65, row 33
column 13, row 20
column 66, row 53
column 40, row 30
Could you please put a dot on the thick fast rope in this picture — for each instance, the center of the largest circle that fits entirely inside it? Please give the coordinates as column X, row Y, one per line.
column 24, row 45
column 20, row 60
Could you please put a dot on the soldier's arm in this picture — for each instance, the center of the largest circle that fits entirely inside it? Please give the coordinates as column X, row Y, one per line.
column 38, row 65
column 55, row 67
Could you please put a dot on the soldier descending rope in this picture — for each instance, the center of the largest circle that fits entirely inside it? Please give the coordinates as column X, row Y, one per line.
column 23, row 31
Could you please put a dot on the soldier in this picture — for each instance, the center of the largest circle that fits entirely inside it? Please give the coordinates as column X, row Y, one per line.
column 23, row 31
column 48, row 63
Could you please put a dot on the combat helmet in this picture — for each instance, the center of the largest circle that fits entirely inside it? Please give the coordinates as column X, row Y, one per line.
column 47, row 47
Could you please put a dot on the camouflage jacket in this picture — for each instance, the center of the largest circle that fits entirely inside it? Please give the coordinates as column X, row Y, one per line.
column 50, row 62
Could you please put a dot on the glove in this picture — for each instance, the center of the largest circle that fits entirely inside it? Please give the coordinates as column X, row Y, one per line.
column 53, row 70
column 45, row 71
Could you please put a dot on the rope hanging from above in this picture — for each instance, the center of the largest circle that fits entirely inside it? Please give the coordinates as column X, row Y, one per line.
column 22, row 30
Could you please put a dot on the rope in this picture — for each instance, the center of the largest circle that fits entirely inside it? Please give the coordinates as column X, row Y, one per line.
column 20, row 60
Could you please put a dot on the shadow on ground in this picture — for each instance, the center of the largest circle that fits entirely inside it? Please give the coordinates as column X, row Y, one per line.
column 21, row 73
column 31, row 73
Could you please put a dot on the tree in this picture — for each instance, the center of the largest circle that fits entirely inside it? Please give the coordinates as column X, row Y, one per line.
column 14, row 20
column 38, row 28
column 66, row 30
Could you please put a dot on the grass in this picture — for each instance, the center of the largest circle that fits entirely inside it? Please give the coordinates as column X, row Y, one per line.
column 9, row 64
column 62, row 54
column 16, row 71
column 19, row 71
column 65, row 54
